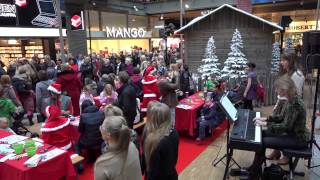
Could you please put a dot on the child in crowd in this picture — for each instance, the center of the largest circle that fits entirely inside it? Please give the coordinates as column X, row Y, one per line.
column 108, row 95
column 93, row 85
column 86, row 95
column 211, row 113
column 4, row 125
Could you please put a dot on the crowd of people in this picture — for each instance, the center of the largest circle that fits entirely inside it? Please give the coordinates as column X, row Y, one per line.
column 112, row 93
column 109, row 94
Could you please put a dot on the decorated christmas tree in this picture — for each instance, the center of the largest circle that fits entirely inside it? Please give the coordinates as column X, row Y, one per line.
column 289, row 47
column 275, row 62
column 234, row 66
column 210, row 61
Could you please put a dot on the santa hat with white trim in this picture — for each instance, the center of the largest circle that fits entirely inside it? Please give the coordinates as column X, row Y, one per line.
column 55, row 88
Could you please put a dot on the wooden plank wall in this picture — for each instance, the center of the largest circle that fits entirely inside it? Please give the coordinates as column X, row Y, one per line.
column 257, row 38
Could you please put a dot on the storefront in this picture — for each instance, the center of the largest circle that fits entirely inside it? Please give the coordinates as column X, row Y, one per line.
column 297, row 28
column 159, row 43
column 24, row 30
column 116, row 39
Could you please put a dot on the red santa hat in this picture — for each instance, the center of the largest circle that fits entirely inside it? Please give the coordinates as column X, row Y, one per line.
column 55, row 88
column 55, row 120
column 149, row 70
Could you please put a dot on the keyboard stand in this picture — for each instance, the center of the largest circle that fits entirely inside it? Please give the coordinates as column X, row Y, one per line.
column 228, row 155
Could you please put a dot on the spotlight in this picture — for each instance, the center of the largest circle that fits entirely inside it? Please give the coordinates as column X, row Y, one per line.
column 135, row 8
column 187, row 6
column 161, row 17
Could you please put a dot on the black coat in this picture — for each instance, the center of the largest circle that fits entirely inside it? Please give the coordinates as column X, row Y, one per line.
column 164, row 159
column 184, row 81
column 90, row 121
column 107, row 69
column 2, row 71
column 127, row 103
column 86, row 71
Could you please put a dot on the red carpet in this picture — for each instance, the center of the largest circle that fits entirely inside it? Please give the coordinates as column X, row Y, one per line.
column 189, row 150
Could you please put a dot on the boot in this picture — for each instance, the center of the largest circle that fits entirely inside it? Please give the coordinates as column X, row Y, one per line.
column 30, row 120
column 275, row 155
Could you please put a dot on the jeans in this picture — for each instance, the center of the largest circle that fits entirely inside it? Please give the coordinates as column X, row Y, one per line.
column 203, row 124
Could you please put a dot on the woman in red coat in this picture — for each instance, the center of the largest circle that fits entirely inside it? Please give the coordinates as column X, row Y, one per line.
column 56, row 130
column 71, row 84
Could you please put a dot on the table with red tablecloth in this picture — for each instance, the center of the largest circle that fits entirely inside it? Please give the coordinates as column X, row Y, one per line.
column 186, row 117
column 53, row 169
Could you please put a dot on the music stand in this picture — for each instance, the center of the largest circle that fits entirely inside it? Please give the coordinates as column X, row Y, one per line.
column 229, row 153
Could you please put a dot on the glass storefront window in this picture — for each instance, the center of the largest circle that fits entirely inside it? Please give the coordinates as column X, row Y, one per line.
column 113, row 20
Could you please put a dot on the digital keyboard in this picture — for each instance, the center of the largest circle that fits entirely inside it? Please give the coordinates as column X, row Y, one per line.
column 245, row 135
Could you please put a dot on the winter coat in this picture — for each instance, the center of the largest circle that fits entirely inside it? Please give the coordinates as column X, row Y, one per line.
column 168, row 93
column 127, row 103
column 86, row 71
column 42, row 93
column 90, row 121
column 72, row 85
column 163, row 159
column 2, row 71
column 106, row 69
column 130, row 69
column 184, row 81
column 121, row 67
column 6, row 109
column 21, row 84
column 9, row 92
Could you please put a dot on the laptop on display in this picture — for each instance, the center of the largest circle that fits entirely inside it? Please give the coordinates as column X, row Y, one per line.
column 47, row 14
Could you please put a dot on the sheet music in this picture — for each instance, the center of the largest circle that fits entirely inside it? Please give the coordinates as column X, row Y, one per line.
column 13, row 139
column 229, row 107
column 5, row 149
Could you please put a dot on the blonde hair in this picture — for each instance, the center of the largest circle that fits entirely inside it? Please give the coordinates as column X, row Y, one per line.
column 157, row 127
column 107, row 87
column 87, row 88
column 285, row 83
column 111, row 110
column 119, row 133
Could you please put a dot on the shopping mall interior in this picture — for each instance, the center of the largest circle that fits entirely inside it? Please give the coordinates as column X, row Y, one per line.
column 159, row 89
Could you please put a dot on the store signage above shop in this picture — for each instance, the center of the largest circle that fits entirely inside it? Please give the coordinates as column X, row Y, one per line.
column 7, row 10
column 301, row 26
column 122, row 32
column 77, row 21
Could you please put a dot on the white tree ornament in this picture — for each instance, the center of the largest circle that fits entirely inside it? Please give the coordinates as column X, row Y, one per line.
column 275, row 62
column 210, row 61
column 234, row 66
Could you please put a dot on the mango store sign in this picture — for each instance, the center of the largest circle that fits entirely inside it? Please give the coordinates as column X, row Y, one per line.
column 119, row 32
column 7, row 10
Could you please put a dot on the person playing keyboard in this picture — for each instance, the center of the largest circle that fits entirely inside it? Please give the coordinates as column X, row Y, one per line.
column 286, row 127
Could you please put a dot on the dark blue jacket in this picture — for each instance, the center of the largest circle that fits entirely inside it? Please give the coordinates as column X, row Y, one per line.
column 90, row 122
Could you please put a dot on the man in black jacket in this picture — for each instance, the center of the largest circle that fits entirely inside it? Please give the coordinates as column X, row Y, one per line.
column 127, row 99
